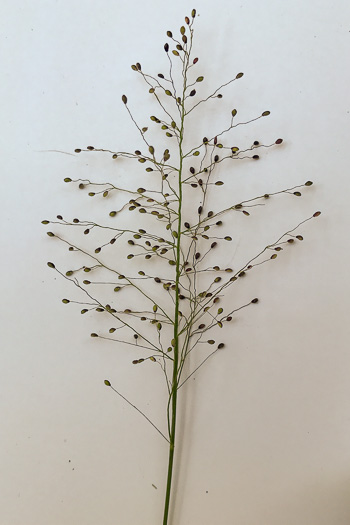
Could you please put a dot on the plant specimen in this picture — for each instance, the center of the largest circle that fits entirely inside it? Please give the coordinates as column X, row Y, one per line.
column 168, row 272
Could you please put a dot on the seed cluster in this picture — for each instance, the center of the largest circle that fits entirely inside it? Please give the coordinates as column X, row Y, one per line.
column 184, row 291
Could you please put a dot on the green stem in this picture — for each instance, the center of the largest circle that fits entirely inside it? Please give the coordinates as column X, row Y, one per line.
column 176, row 351
column 175, row 379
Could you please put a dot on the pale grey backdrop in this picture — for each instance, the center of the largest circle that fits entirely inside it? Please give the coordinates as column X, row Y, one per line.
column 267, row 420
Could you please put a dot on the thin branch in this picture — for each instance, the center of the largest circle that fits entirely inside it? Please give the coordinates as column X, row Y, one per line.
column 140, row 412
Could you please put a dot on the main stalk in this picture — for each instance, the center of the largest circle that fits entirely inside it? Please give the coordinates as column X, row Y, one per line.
column 174, row 388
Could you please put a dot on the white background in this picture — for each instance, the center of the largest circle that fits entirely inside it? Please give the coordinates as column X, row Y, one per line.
column 265, row 430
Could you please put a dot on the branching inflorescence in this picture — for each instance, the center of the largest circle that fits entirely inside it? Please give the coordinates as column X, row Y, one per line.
column 184, row 310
